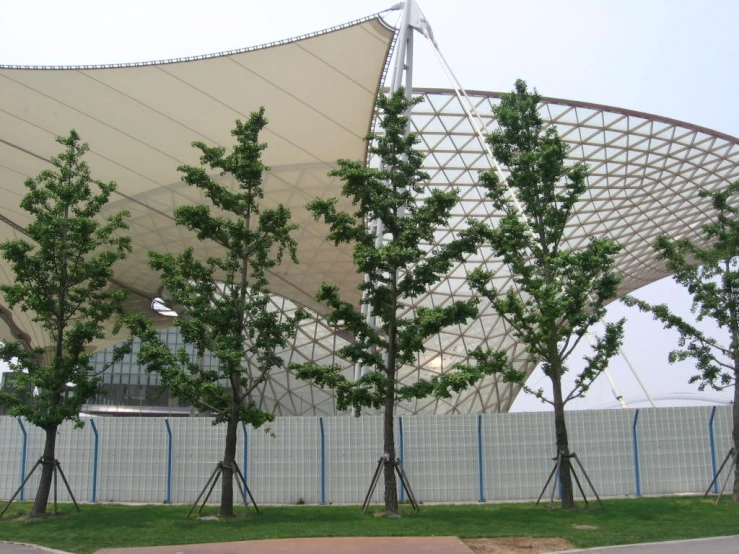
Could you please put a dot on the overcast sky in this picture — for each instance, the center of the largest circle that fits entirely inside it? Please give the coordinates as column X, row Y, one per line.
column 673, row 58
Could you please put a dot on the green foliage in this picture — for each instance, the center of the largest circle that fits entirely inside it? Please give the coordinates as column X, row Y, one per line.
column 398, row 270
column 223, row 303
column 711, row 276
column 558, row 293
column 62, row 277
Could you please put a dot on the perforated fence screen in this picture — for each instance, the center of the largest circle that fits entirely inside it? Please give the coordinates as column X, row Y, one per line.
column 450, row 458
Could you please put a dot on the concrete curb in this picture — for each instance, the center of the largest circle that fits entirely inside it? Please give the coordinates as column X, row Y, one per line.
column 36, row 546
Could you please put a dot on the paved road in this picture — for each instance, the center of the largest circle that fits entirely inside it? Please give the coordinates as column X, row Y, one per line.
column 718, row 545
column 15, row 548
column 328, row 545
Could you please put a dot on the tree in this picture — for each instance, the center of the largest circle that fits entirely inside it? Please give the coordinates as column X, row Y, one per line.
column 397, row 271
column 711, row 276
column 558, row 293
column 223, row 303
column 63, row 278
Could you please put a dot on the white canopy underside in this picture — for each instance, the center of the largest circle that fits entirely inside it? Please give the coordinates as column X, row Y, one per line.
column 645, row 172
column 139, row 120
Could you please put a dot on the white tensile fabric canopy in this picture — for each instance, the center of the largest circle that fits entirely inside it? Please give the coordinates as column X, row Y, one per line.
column 140, row 119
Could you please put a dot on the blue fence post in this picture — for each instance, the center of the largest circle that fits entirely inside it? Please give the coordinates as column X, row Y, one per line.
column 24, row 452
column 713, row 449
column 635, row 439
column 246, row 453
column 169, row 461
column 323, row 462
column 402, row 447
column 95, row 461
column 479, row 457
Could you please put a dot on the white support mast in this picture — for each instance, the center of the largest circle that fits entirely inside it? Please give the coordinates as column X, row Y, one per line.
column 412, row 19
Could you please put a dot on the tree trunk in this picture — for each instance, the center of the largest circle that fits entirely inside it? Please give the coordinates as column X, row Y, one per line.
column 391, row 486
column 734, row 328
column 735, row 432
column 229, row 456
column 47, row 473
column 563, row 447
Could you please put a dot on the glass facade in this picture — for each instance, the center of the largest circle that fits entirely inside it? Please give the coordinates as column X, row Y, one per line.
column 127, row 384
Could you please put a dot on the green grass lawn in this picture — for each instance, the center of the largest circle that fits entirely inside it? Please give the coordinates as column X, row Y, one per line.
column 622, row 521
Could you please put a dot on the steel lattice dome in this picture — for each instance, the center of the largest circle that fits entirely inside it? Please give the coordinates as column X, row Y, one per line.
column 645, row 173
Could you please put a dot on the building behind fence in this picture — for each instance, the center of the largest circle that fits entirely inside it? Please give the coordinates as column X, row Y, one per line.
column 453, row 458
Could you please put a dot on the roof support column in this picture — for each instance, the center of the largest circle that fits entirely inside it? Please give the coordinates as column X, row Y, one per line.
column 412, row 18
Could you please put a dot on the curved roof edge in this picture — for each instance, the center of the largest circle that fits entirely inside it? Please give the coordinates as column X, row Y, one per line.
column 591, row 105
column 377, row 16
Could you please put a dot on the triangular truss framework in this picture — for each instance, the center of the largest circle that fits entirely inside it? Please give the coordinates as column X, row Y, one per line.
column 645, row 173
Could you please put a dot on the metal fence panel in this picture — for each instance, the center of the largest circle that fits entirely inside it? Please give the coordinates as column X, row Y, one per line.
column 11, row 454
column 603, row 443
column 453, row 458
column 284, row 464
column 197, row 447
column 441, row 457
column 722, row 445
column 133, row 460
column 674, row 450
column 353, row 447
column 517, row 454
